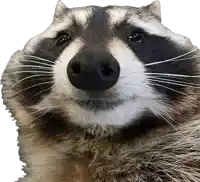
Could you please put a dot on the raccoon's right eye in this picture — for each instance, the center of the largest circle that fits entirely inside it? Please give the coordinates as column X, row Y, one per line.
column 137, row 36
column 62, row 38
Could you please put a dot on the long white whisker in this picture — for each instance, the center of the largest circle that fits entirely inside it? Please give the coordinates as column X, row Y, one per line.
column 47, row 53
column 174, row 75
column 178, row 80
column 29, row 71
column 40, row 92
column 42, row 109
column 38, row 111
column 29, row 66
column 43, row 83
column 38, row 58
column 167, row 121
column 168, row 60
column 172, row 83
column 175, row 60
column 46, row 111
column 28, row 77
column 159, row 85
column 165, row 75
column 41, row 63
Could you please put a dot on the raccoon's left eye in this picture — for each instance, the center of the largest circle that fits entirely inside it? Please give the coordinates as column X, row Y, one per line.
column 137, row 36
column 62, row 38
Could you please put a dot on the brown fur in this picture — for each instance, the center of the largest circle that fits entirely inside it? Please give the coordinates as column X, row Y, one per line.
column 173, row 156
column 163, row 155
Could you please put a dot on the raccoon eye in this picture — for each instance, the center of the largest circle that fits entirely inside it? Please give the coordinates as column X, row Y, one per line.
column 62, row 38
column 137, row 36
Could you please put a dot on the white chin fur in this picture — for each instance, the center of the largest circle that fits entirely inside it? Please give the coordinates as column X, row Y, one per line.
column 120, row 116
column 132, row 82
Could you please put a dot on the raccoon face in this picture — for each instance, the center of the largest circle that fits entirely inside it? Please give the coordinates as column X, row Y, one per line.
column 106, row 66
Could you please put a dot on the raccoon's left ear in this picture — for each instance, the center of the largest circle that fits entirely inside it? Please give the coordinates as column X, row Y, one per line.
column 155, row 9
column 60, row 9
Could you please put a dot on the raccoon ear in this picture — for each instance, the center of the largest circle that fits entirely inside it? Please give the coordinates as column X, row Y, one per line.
column 60, row 9
column 155, row 8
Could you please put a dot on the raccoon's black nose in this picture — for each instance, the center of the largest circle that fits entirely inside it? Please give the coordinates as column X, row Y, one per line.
column 93, row 72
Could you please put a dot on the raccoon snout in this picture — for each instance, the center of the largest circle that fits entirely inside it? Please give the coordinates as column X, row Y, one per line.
column 93, row 72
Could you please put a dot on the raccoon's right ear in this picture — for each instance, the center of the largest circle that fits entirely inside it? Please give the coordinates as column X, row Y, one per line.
column 60, row 9
column 155, row 8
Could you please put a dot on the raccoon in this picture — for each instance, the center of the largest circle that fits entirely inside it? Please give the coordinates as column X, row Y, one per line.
column 106, row 94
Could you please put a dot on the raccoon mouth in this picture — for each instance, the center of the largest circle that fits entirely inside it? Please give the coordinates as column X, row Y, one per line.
column 98, row 104
column 99, row 100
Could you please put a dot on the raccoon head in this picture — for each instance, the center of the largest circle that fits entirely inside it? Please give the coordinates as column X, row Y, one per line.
column 105, row 69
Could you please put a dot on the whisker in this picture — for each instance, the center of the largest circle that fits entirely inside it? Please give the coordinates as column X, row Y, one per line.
column 175, row 60
column 172, row 83
column 38, row 58
column 174, row 80
column 40, row 63
column 167, row 121
column 29, row 66
column 172, row 59
column 28, row 77
column 168, row 60
column 46, row 111
column 159, row 85
column 29, row 71
column 40, row 92
column 31, row 87
column 48, row 54
column 174, row 75
column 42, row 108
column 38, row 111
column 164, row 75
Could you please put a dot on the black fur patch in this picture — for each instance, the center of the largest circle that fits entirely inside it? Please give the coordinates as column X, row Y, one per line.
column 47, row 50
column 97, row 31
column 53, row 126
column 142, row 126
column 155, row 48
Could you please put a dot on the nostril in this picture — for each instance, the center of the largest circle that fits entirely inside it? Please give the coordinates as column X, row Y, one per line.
column 76, row 68
column 106, row 70
column 94, row 73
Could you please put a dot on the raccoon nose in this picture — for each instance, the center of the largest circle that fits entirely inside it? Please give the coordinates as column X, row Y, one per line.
column 97, row 74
